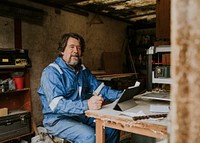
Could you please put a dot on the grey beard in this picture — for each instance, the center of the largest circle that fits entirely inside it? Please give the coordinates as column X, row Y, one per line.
column 73, row 63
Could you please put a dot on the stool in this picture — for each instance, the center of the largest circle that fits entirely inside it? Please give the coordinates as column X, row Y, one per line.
column 43, row 137
column 60, row 140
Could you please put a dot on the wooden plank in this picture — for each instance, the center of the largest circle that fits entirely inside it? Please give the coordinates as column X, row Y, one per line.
column 109, row 77
column 137, row 130
column 163, row 20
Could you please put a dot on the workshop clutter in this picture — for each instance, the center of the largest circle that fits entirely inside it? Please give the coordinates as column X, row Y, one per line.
column 7, row 85
column 14, row 57
column 15, row 82
column 18, row 78
column 19, row 82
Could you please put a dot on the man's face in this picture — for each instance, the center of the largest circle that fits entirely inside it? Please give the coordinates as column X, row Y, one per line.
column 72, row 52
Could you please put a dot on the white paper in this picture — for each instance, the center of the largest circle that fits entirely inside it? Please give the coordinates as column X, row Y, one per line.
column 159, row 108
column 137, row 83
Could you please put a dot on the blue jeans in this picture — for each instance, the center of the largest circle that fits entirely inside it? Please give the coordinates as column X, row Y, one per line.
column 80, row 129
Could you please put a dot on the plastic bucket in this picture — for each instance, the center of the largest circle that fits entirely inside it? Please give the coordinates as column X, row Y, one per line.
column 19, row 82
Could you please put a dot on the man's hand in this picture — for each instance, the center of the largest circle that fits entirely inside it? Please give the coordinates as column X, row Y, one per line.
column 95, row 102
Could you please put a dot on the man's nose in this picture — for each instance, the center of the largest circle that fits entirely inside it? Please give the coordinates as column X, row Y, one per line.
column 76, row 49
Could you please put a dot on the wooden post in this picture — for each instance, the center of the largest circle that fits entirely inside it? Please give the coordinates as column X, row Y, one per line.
column 100, row 131
column 185, row 69
column 17, row 34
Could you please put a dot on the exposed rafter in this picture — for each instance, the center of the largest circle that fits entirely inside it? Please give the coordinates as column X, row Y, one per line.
column 124, row 10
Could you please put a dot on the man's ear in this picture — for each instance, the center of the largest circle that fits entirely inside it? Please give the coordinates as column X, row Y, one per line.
column 62, row 53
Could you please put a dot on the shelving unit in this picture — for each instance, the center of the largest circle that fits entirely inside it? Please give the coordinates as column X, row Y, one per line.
column 160, row 80
column 16, row 100
column 151, row 79
column 5, row 67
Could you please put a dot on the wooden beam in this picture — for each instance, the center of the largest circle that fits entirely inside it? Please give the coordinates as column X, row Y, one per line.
column 17, row 34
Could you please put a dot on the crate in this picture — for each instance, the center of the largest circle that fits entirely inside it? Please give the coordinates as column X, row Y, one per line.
column 15, row 124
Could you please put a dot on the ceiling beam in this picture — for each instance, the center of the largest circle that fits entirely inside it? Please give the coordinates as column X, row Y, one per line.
column 136, row 16
column 75, row 10
column 22, row 12
column 63, row 1
column 123, row 10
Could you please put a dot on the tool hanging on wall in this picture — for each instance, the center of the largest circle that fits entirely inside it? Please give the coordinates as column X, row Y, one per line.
column 95, row 20
column 124, row 47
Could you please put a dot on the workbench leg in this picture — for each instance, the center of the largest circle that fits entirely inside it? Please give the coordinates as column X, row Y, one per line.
column 100, row 131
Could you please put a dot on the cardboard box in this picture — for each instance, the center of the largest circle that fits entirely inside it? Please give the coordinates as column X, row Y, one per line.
column 3, row 112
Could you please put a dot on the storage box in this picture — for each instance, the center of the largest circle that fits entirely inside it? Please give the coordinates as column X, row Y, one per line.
column 3, row 111
column 15, row 124
column 18, row 57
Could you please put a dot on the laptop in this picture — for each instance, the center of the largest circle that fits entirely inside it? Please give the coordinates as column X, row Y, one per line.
column 126, row 101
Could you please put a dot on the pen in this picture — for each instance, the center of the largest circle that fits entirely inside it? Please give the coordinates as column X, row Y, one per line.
column 97, row 91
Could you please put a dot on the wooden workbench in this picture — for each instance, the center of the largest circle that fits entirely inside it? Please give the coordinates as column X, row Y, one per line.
column 109, row 77
column 117, row 81
column 107, row 117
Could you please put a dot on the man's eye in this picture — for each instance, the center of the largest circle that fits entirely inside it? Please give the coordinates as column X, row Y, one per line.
column 78, row 47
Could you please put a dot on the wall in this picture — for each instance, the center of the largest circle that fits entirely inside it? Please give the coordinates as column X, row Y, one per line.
column 42, row 42
column 6, row 33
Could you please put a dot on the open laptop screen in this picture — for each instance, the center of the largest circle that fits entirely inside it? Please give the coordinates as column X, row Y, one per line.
column 128, row 94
